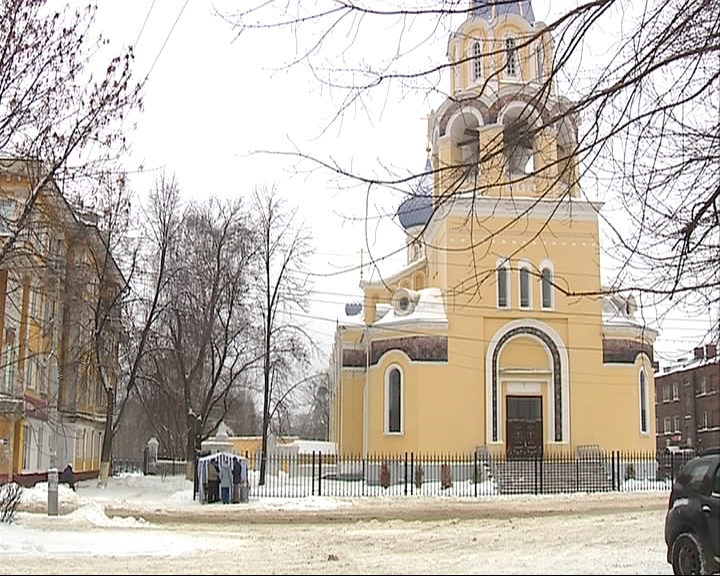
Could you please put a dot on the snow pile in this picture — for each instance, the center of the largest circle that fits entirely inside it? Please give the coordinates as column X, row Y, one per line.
column 93, row 514
column 37, row 496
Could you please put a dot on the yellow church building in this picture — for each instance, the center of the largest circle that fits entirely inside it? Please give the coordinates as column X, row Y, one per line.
column 497, row 334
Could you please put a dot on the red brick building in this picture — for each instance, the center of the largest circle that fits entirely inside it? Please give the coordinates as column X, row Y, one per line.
column 687, row 401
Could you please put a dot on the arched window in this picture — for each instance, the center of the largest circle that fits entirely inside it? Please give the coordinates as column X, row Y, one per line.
column 525, row 287
column 393, row 401
column 644, row 406
column 503, row 285
column 511, row 58
column 477, row 67
column 547, row 287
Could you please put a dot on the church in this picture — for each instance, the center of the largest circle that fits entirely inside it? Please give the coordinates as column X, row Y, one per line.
column 497, row 335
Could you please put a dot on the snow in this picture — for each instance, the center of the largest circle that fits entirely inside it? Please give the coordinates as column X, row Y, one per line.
column 152, row 525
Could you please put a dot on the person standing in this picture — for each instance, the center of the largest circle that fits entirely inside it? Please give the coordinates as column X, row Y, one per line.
column 225, row 481
column 237, row 478
column 213, row 482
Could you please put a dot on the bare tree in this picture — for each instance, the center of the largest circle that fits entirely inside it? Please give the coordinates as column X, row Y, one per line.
column 59, row 105
column 649, row 107
column 314, row 420
column 207, row 336
column 126, row 307
column 284, row 246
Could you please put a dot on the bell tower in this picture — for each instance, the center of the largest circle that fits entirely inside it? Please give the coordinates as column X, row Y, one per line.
column 503, row 131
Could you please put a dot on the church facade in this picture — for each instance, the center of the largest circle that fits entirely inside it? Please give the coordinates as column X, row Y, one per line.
column 497, row 334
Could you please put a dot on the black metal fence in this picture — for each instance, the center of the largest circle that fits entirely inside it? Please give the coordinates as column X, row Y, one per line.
column 477, row 474
column 474, row 475
column 162, row 467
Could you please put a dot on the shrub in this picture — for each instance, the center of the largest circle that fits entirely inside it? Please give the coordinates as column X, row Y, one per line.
column 9, row 500
column 385, row 475
column 419, row 476
column 445, row 477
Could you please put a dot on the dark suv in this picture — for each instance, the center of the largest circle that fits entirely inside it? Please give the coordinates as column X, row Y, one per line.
column 692, row 523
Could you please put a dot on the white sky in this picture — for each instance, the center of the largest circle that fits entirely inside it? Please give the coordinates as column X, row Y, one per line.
column 622, row 535
column 211, row 101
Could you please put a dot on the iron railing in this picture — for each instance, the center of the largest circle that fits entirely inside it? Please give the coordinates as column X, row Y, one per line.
column 476, row 474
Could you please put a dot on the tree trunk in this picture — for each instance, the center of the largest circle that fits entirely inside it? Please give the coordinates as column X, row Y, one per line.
column 192, row 446
column 106, row 455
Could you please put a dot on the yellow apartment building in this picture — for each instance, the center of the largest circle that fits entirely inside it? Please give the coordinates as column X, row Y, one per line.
column 52, row 405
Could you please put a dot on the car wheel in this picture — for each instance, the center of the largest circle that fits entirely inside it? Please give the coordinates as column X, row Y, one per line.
column 688, row 555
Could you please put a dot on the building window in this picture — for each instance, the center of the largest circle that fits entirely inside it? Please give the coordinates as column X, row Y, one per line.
column 393, row 401
column 705, row 421
column 644, row 408
column 702, row 386
column 511, row 64
column 676, row 422
column 7, row 215
column 540, row 59
column 547, row 288
column 688, row 401
column 40, row 448
column 27, row 446
column 525, row 288
column 666, row 393
column 477, row 61
column 503, row 285
column 676, row 394
column 666, row 425
column 30, row 373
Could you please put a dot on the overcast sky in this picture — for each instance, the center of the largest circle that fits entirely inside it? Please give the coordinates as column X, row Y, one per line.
column 213, row 100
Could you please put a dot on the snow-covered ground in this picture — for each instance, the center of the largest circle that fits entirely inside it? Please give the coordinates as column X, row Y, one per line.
column 152, row 525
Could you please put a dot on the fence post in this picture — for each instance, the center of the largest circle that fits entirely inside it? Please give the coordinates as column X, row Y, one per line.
column 612, row 467
column 540, row 460
column 475, row 474
column 364, row 478
column 405, row 473
column 672, row 468
column 312, row 475
column 535, row 473
column 412, row 471
column 319, row 473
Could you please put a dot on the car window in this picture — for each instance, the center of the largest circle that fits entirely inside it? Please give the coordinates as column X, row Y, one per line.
column 716, row 482
column 693, row 474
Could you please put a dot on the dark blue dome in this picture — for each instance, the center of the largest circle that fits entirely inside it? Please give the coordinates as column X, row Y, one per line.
column 417, row 208
column 489, row 9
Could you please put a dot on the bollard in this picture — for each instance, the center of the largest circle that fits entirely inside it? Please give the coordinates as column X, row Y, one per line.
column 52, row 492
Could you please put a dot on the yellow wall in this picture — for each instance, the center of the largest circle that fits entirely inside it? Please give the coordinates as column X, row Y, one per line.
column 446, row 404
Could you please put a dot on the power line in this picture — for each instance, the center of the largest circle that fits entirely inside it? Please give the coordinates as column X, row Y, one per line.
column 167, row 38
column 145, row 22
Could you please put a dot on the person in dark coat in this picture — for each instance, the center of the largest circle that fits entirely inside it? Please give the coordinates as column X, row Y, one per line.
column 237, row 479
column 213, row 476
column 68, row 477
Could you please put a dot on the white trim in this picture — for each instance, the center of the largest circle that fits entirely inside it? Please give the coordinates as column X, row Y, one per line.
column 504, row 264
column 524, row 388
column 547, row 265
column 564, row 380
column 386, row 406
column 561, row 210
column 525, row 265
